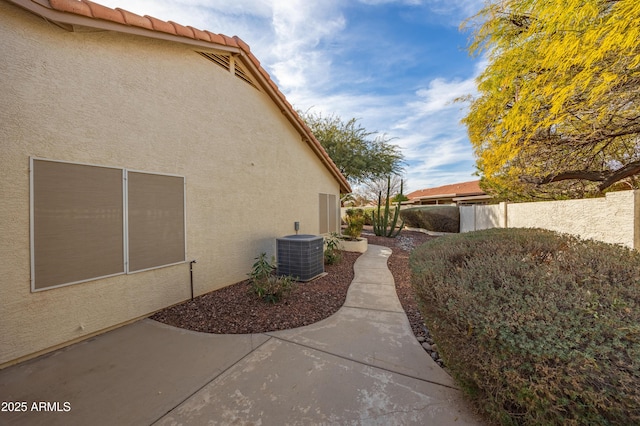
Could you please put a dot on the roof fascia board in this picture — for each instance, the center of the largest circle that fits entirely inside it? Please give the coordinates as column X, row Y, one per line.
column 473, row 197
column 430, row 197
column 426, row 197
column 64, row 19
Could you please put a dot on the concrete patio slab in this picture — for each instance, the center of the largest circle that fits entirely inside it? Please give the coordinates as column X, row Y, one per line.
column 376, row 276
column 373, row 296
column 377, row 338
column 283, row 383
column 129, row 376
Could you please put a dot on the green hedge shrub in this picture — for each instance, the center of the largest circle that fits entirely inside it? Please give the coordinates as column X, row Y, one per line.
column 432, row 218
column 539, row 328
column 368, row 216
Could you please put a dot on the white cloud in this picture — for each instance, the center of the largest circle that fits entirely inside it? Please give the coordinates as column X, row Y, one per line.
column 441, row 94
column 425, row 125
column 432, row 137
column 237, row 17
column 462, row 9
column 299, row 27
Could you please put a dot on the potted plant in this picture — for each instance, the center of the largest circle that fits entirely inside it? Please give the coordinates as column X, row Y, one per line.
column 351, row 240
column 355, row 222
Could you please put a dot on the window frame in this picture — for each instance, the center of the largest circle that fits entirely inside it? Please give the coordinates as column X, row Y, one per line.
column 125, row 222
column 184, row 220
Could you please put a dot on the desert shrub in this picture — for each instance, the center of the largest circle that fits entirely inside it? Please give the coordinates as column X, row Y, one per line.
column 433, row 218
column 539, row 328
column 368, row 215
column 266, row 284
column 355, row 222
column 331, row 253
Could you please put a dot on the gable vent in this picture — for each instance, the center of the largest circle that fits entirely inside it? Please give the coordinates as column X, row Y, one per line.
column 224, row 61
column 242, row 74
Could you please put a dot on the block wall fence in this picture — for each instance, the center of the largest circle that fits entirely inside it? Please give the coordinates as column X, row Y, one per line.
column 613, row 219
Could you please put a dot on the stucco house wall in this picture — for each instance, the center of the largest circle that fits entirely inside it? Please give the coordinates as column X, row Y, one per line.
column 112, row 99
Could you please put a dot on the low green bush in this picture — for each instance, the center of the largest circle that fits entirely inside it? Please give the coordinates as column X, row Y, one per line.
column 432, row 218
column 265, row 284
column 538, row 328
column 331, row 253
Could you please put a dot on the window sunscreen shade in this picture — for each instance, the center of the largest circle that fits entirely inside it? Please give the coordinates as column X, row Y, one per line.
column 77, row 223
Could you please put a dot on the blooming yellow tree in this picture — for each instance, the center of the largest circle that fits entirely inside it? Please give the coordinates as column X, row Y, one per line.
column 558, row 109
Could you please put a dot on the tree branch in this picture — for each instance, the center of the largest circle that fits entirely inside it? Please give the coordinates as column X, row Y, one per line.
column 630, row 169
column 607, row 178
column 573, row 174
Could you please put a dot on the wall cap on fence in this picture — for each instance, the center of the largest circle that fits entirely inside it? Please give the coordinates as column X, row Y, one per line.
column 426, row 231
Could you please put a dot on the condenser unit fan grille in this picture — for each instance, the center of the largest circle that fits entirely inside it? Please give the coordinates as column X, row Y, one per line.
column 301, row 256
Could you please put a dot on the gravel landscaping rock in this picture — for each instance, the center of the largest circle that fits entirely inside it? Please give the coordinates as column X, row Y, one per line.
column 236, row 310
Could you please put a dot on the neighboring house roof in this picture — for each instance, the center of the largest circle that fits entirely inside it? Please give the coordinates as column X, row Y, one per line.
column 69, row 13
column 454, row 190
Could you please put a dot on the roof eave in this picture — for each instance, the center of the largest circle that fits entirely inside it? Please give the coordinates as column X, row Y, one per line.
column 473, row 197
column 71, row 19
column 432, row 197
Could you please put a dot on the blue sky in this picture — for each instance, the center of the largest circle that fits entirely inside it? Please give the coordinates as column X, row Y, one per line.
column 396, row 65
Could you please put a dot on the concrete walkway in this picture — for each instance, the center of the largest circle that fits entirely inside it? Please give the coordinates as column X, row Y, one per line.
column 361, row 366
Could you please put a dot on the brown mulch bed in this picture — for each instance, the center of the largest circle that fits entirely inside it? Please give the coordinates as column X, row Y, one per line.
column 235, row 309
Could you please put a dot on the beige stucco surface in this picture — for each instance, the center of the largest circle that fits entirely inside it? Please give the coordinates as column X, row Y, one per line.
column 613, row 219
column 467, row 218
column 103, row 98
column 609, row 219
column 474, row 218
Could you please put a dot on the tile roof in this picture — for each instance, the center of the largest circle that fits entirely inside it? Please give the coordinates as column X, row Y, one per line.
column 97, row 15
column 121, row 16
column 452, row 190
